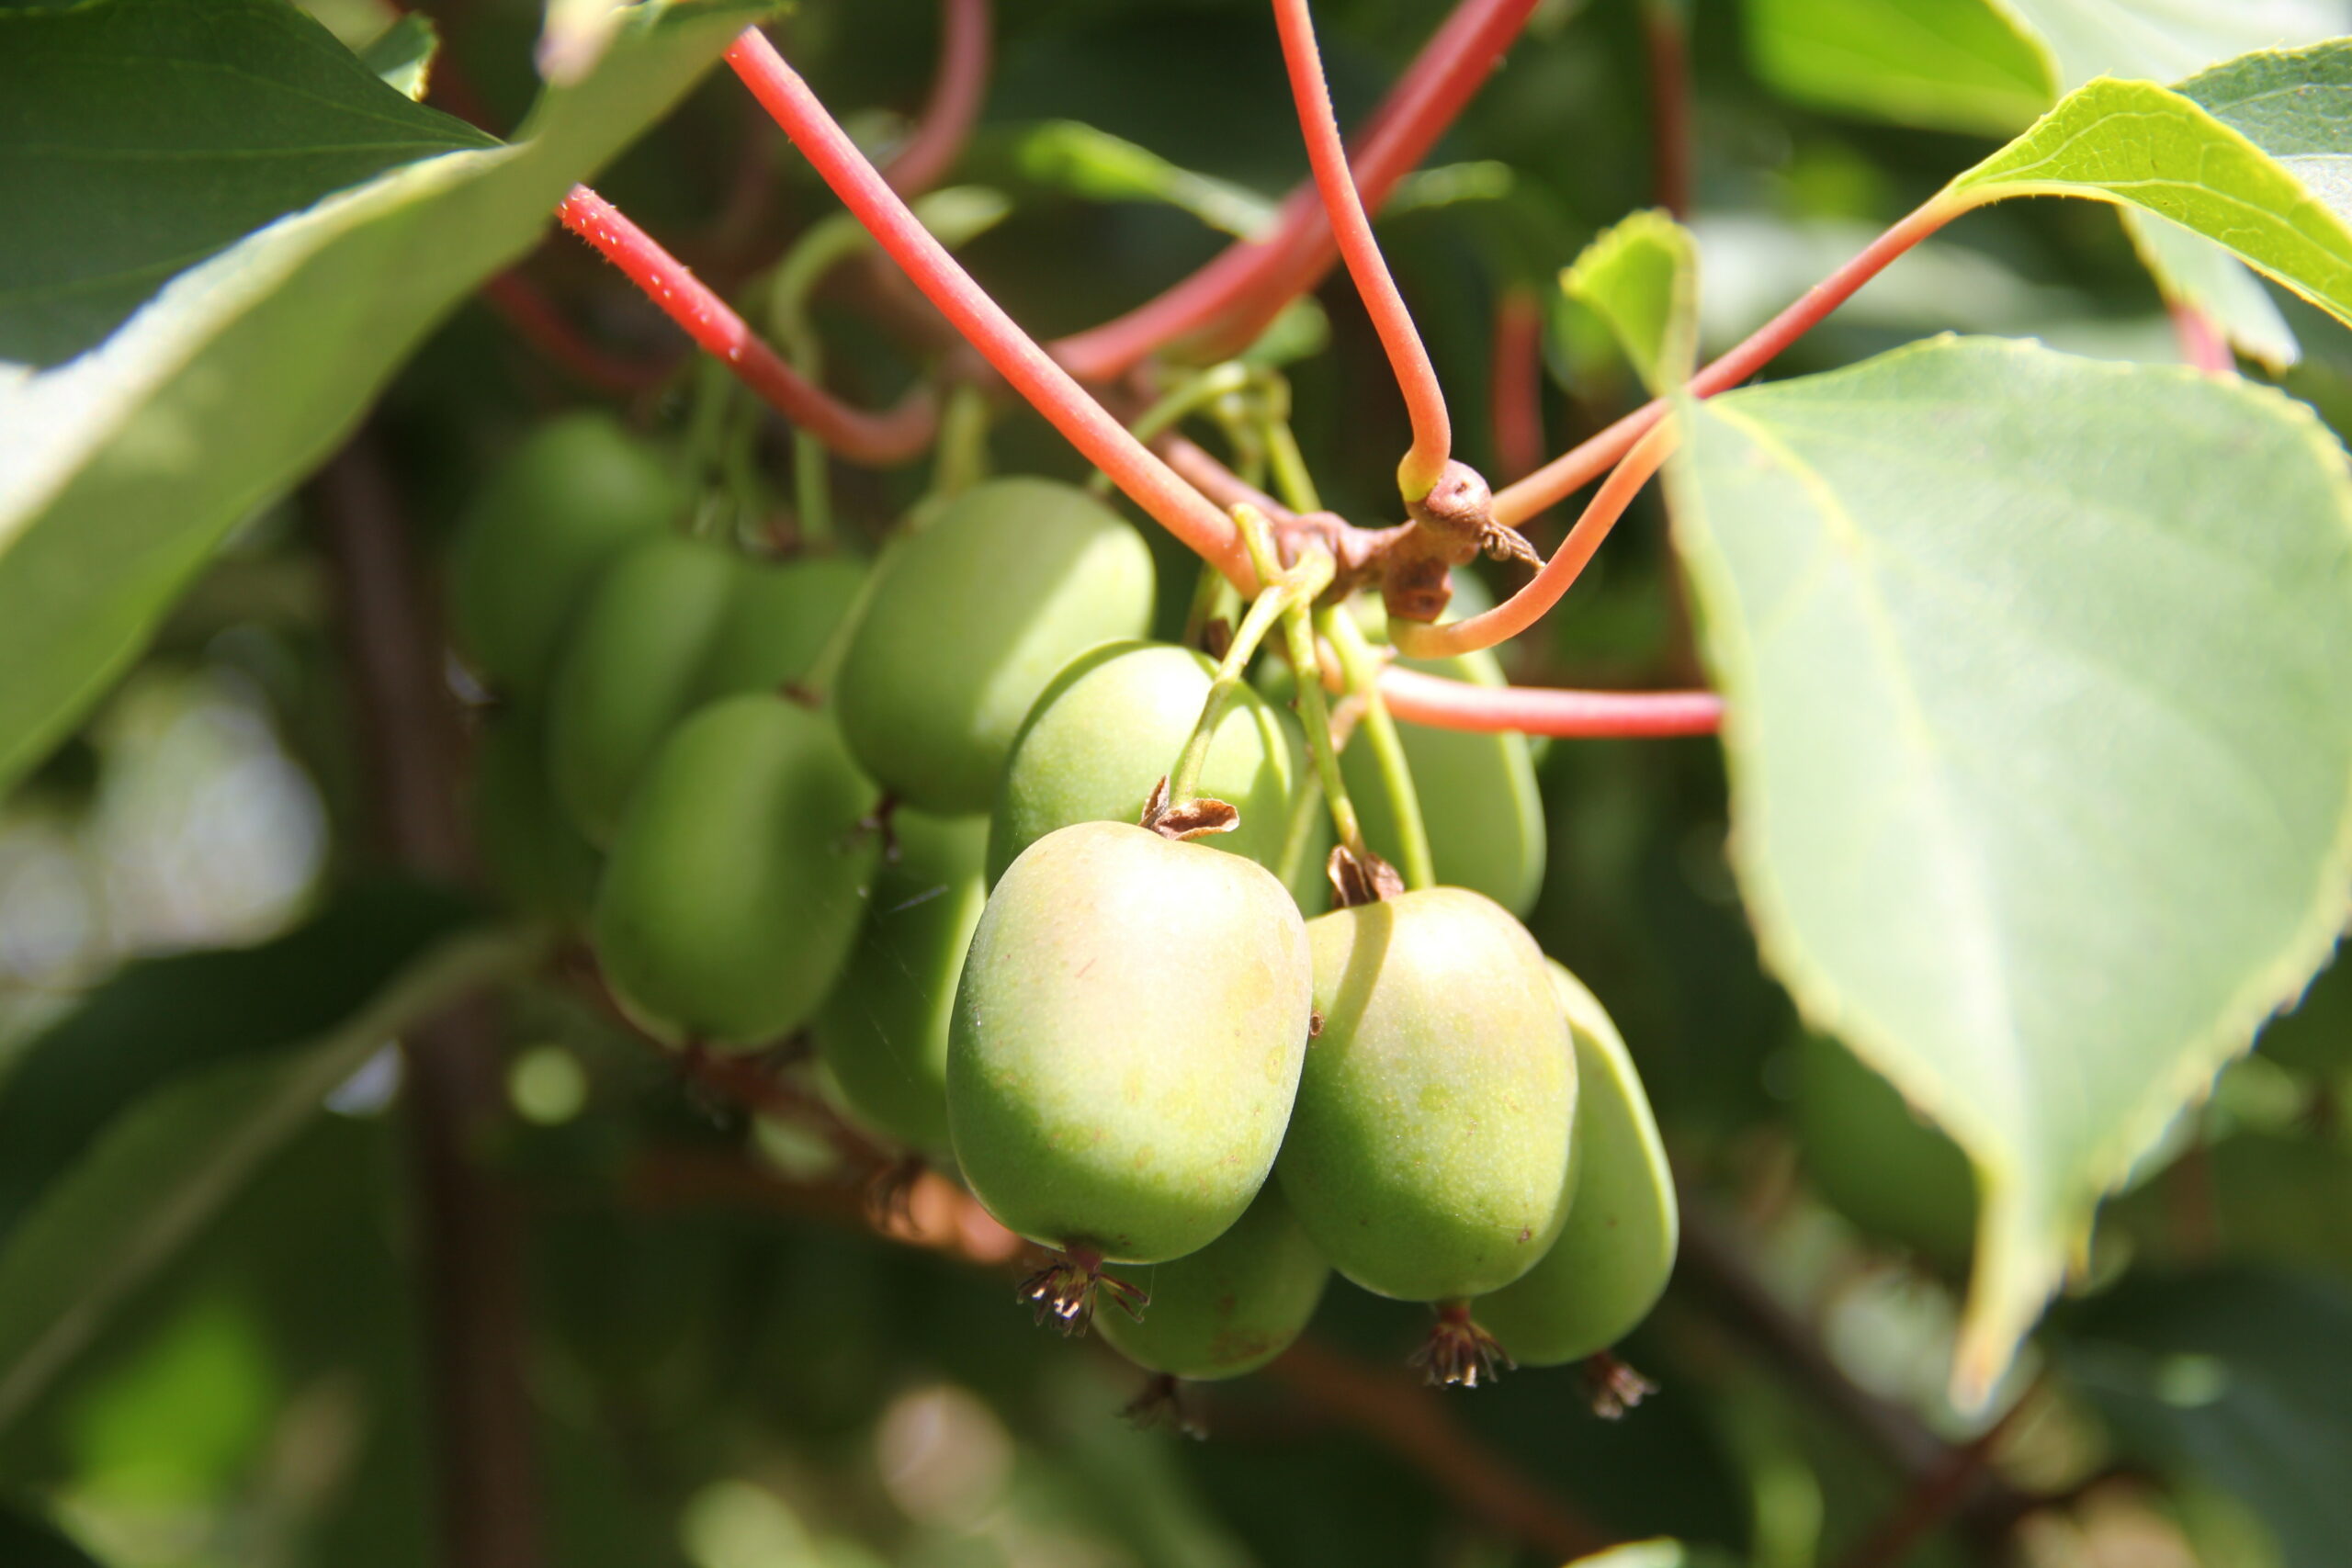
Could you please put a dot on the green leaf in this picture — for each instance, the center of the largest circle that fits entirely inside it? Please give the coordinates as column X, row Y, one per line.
column 1941, row 64
column 2166, row 153
column 403, row 54
column 1067, row 155
column 2163, row 40
column 2235, row 1378
column 1641, row 278
column 166, row 1018
column 191, row 1070
column 121, row 472
column 30, row 1542
column 2039, row 740
column 138, row 137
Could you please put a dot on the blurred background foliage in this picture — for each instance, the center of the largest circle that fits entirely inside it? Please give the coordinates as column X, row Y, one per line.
column 732, row 1372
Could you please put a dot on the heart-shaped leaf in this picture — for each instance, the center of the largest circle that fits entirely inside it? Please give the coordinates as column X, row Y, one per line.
column 1641, row 278
column 2041, row 743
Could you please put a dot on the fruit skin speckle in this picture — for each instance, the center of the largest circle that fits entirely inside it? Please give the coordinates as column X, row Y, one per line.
column 1104, row 1072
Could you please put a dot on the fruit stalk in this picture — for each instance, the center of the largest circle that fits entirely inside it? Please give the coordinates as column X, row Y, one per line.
column 1361, row 668
column 1408, row 358
column 879, row 439
column 1231, row 299
column 1182, row 401
column 1578, row 467
column 1524, row 609
column 1146, row 480
column 1294, row 588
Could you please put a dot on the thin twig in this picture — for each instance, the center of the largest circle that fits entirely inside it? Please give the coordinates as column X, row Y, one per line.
column 1665, row 41
column 956, row 96
column 1515, row 388
column 1571, row 471
column 1408, row 358
column 537, row 322
column 1229, row 301
column 1083, row 422
column 899, row 436
column 2202, row 342
column 1936, row 1496
column 469, row 1234
column 1417, row 1424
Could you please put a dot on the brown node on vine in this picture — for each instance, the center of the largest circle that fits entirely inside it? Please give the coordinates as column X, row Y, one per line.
column 1452, row 526
column 800, row 695
column 1164, row 1401
column 1359, row 879
column 1063, row 1292
column 1613, row 1386
column 1191, row 819
column 1460, row 1354
column 889, row 1195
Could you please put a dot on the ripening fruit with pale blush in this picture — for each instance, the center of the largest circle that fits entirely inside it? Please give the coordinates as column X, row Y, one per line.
column 1612, row 1261
column 576, row 493
column 1110, row 727
column 1126, row 1044
column 882, row 1037
column 1428, row 1154
column 1232, row 1306
column 671, row 625
column 739, row 878
column 969, row 619
column 1479, row 794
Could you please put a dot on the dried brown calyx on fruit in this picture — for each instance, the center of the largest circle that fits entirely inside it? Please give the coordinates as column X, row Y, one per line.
column 1359, row 879
column 1063, row 1292
column 1187, row 820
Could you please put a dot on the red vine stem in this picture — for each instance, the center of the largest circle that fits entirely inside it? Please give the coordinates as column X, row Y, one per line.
column 1665, row 41
column 1148, row 483
column 955, row 103
column 1574, row 469
column 1441, row 703
column 538, row 322
column 1531, row 603
column 897, row 436
column 1408, row 358
column 1515, row 392
column 1248, row 283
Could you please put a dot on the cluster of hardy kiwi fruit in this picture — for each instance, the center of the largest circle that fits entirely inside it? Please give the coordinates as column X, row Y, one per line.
column 900, row 809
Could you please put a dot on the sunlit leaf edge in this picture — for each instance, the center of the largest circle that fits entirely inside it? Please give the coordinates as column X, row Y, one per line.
column 2017, row 1268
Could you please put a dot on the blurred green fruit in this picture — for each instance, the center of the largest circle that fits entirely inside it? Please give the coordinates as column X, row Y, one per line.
column 1427, row 1155
column 969, row 620
column 671, row 625
column 882, row 1037
column 1615, row 1252
column 1110, row 727
column 1128, row 1039
column 739, row 878
column 1877, row 1163
column 576, row 493
column 1232, row 1306
column 530, row 852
